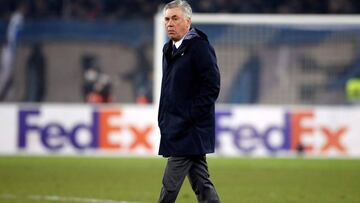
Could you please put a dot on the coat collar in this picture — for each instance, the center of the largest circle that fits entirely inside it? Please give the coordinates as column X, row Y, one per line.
column 193, row 33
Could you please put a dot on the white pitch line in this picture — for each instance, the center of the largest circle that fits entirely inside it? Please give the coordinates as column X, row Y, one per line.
column 56, row 198
column 7, row 196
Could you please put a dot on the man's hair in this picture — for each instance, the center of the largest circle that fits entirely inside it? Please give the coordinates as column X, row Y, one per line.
column 182, row 4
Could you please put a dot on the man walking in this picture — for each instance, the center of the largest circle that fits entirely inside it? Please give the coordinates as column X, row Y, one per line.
column 190, row 86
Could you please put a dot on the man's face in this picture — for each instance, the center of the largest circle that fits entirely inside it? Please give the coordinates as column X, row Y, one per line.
column 176, row 23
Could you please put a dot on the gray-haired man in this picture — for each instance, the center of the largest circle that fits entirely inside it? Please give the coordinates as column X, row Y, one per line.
column 190, row 86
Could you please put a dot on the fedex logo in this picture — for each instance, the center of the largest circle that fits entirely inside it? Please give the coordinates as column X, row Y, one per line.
column 293, row 132
column 55, row 136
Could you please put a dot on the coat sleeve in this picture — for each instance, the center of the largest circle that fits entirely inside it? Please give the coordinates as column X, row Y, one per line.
column 204, row 59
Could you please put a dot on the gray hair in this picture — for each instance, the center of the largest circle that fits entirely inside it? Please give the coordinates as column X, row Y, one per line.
column 182, row 4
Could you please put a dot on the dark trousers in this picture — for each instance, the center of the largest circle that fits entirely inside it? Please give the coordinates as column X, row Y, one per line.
column 195, row 167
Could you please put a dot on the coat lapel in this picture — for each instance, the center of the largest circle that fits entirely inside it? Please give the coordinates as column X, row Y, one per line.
column 180, row 51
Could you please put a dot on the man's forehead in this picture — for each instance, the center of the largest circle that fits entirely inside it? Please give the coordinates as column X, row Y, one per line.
column 171, row 12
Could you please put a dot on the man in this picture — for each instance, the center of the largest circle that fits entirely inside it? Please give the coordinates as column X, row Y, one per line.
column 190, row 86
column 8, row 52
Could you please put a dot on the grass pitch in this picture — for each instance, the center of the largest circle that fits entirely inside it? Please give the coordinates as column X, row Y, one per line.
column 237, row 180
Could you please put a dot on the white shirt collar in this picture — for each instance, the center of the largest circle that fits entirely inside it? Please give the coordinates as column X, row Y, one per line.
column 178, row 43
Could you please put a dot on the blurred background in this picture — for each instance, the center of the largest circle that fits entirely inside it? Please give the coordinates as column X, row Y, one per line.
column 80, row 78
column 291, row 85
column 102, row 51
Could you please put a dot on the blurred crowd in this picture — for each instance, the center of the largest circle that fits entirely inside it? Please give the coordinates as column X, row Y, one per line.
column 120, row 9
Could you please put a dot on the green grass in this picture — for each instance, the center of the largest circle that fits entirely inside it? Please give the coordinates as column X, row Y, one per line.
column 237, row 180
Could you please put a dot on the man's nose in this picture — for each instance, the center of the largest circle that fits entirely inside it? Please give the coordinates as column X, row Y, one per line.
column 170, row 23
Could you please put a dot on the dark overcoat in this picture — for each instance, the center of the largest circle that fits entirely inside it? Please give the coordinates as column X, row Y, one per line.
column 189, row 89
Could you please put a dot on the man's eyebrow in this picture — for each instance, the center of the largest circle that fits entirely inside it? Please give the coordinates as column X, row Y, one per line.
column 171, row 16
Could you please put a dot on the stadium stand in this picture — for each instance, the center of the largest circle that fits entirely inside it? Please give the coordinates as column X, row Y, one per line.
column 117, row 10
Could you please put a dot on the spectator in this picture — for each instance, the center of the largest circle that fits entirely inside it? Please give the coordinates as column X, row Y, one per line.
column 8, row 54
column 40, row 9
column 340, row 6
column 141, row 76
column 97, row 85
column 35, row 75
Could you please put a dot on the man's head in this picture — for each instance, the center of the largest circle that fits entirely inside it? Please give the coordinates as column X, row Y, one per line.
column 177, row 16
column 22, row 7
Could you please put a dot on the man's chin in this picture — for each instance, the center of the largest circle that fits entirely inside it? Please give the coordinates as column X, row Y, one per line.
column 172, row 37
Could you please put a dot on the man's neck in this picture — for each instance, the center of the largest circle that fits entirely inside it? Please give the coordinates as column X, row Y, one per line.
column 178, row 43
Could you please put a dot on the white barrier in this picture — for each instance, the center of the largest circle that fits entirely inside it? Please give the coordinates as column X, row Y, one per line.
column 79, row 129
column 273, row 131
column 132, row 130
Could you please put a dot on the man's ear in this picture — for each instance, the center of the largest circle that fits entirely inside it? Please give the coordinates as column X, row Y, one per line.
column 189, row 21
